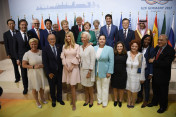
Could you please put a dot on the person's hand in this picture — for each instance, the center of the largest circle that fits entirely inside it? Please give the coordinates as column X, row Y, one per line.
column 8, row 56
column 36, row 66
column 51, row 75
column 65, row 66
column 88, row 74
column 150, row 77
column 108, row 75
column 141, row 81
column 18, row 62
column 151, row 60
column 71, row 68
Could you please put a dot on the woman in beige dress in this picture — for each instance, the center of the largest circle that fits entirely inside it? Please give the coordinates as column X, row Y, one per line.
column 87, row 67
column 32, row 60
column 70, row 60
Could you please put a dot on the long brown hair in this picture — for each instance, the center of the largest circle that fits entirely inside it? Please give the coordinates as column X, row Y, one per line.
column 124, row 52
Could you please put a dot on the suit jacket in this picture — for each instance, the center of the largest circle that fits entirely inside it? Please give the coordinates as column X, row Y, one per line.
column 20, row 47
column 50, row 62
column 60, row 36
column 162, row 66
column 129, row 38
column 44, row 36
column 112, row 38
column 105, row 63
column 8, row 41
column 33, row 34
column 149, row 68
column 92, row 39
column 75, row 31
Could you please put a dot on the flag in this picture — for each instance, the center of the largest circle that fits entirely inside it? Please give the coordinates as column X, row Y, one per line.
column 147, row 20
column 102, row 21
column 42, row 24
column 75, row 20
column 130, row 21
column 163, row 31
column 49, row 16
column 83, row 19
column 92, row 22
column 137, row 26
column 155, row 32
column 66, row 17
column 18, row 23
column 59, row 28
column 32, row 21
column 171, row 40
column 120, row 26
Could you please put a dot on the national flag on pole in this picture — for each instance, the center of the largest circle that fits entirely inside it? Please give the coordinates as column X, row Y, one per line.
column 32, row 21
column 120, row 26
column 137, row 26
column 66, row 17
column 59, row 28
column 102, row 21
column 42, row 24
column 74, row 20
column 92, row 26
column 163, row 31
column 83, row 19
column 49, row 16
column 130, row 21
column 171, row 40
column 147, row 20
column 18, row 23
column 155, row 32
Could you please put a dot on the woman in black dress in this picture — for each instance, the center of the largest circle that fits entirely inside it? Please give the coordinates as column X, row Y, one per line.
column 119, row 78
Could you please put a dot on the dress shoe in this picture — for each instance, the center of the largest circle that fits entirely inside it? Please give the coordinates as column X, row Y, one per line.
column 44, row 101
column 90, row 105
column 139, row 100
column 17, row 80
column 53, row 104
column 144, row 104
column 115, row 103
column 25, row 91
column 39, row 105
column 120, row 104
column 62, row 102
column 161, row 110
column 85, row 104
column 151, row 105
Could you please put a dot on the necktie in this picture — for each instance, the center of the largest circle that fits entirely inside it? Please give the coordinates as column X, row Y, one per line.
column 108, row 30
column 79, row 28
column 159, row 52
column 25, row 39
column 54, row 51
column 50, row 32
column 125, row 34
column 38, row 34
column 14, row 33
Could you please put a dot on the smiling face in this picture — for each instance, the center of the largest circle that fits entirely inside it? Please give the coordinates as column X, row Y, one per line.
column 11, row 25
column 86, row 27
column 147, row 41
column 162, row 40
column 68, row 38
column 23, row 26
column 48, row 25
column 34, row 45
column 119, row 48
column 84, row 39
column 52, row 39
column 65, row 26
column 79, row 21
column 102, row 40
column 134, row 47
column 125, row 24
column 108, row 20
column 36, row 24
column 142, row 25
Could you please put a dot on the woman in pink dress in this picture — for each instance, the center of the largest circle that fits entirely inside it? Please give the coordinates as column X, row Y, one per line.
column 70, row 60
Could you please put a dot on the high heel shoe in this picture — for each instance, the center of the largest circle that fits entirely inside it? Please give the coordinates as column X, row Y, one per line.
column 115, row 103
column 90, row 105
column 85, row 104
column 120, row 104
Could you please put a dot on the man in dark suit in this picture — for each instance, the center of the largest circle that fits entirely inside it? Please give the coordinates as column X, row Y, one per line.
column 36, row 33
column 110, row 31
column 77, row 28
column 164, row 55
column 21, row 45
column 8, row 41
column 47, row 31
column 126, row 35
column 53, row 69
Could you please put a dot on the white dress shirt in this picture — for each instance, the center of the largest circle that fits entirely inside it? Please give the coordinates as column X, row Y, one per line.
column 22, row 34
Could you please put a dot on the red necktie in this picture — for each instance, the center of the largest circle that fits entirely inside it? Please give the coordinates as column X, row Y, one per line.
column 79, row 28
column 159, row 52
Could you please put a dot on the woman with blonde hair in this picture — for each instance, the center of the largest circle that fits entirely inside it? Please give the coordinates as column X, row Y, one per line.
column 70, row 60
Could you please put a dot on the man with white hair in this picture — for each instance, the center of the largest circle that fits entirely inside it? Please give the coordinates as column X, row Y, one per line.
column 35, row 33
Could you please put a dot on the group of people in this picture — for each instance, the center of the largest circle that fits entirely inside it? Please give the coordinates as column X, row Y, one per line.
column 124, row 59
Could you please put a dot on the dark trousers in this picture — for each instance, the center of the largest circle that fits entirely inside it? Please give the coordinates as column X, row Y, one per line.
column 16, row 71
column 146, row 88
column 56, row 84
column 160, row 94
column 24, row 76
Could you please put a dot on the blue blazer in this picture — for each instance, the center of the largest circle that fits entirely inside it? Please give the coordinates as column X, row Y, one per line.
column 130, row 37
column 33, row 34
column 149, row 68
column 50, row 62
column 106, row 62
column 44, row 36
column 112, row 38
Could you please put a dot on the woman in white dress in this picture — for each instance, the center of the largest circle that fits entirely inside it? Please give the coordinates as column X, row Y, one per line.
column 135, row 72
column 32, row 60
column 87, row 67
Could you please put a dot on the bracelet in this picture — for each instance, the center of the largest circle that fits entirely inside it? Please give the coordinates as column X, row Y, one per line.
column 33, row 66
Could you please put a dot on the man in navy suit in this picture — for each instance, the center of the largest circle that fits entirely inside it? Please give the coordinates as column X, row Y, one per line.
column 36, row 33
column 21, row 45
column 164, row 55
column 53, row 68
column 77, row 28
column 47, row 31
column 110, row 31
column 8, row 41
column 126, row 35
